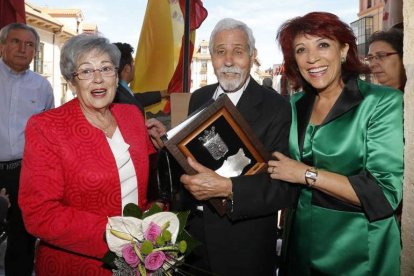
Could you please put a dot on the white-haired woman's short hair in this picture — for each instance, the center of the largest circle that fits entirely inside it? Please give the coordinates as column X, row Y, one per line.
column 79, row 45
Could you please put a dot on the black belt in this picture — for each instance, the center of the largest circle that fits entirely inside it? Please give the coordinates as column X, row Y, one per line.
column 10, row 165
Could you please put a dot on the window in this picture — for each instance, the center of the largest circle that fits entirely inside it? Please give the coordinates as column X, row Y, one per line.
column 38, row 60
column 363, row 30
column 203, row 66
column 369, row 4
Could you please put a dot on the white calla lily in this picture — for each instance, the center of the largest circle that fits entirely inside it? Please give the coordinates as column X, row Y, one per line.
column 120, row 231
column 124, row 228
column 162, row 218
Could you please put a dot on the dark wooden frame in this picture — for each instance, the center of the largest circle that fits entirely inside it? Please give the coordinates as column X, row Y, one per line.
column 222, row 109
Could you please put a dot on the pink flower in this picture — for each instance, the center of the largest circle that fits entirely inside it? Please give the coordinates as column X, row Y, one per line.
column 152, row 232
column 154, row 260
column 129, row 255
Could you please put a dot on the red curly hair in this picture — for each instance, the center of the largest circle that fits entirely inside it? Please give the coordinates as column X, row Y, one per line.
column 321, row 24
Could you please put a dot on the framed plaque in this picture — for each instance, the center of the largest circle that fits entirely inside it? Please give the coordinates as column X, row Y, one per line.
column 219, row 138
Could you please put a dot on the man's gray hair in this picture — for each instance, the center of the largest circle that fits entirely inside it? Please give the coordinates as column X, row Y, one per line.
column 230, row 24
column 80, row 45
column 4, row 32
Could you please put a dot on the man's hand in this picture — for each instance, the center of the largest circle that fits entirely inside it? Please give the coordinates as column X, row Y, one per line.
column 156, row 129
column 164, row 93
column 206, row 183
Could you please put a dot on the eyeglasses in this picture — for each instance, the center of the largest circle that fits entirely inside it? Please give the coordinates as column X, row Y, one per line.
column 87, row 73
column 380, row 56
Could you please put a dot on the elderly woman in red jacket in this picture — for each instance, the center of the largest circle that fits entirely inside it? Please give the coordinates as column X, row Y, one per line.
column 82, row 163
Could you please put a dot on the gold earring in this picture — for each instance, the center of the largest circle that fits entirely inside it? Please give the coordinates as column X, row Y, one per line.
column 343, row 60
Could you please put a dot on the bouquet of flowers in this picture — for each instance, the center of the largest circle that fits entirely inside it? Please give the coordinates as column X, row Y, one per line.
column 150, row 243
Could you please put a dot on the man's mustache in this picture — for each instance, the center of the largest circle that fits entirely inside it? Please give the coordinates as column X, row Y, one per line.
column 232, row 69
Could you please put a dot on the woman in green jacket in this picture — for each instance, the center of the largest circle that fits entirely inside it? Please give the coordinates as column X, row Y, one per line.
column 346, row 145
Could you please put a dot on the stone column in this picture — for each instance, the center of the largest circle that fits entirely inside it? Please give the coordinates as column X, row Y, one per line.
column 407, row 257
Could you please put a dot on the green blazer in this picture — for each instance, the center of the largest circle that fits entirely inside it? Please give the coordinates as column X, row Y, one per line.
column 361, row 138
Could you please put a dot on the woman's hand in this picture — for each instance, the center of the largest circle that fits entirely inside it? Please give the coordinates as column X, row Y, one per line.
column 156, row 129
column 289, row 170
column 286, row 169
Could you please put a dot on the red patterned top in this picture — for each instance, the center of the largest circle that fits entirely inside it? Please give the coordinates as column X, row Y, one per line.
column 70, row 184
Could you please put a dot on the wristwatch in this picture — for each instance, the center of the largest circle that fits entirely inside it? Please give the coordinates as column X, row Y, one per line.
column 311, row 175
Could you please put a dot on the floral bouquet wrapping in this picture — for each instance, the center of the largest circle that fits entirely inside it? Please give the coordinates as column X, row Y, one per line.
column 150, row 243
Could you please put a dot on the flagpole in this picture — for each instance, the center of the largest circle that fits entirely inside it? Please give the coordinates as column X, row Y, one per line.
column 186, row 54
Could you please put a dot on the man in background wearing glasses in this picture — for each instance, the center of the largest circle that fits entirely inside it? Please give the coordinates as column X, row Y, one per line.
column 23, row 93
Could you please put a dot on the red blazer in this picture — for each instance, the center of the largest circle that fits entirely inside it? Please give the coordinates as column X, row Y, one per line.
column 69, row 185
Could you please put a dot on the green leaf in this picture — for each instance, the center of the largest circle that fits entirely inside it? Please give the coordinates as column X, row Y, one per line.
column 191, row 242
column 153, row 210
column 132, row 210
column 182, row 218
column 146, row 247
column 109, row 258
column 182, row 246
column 166, row 235
column 160, row 241
column 183, row 235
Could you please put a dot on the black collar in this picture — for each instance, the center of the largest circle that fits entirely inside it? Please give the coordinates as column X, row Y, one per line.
column 349, row 98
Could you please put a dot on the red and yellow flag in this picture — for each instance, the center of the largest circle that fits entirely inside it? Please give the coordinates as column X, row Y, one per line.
column 197, row 16
column 11, row 11
column 158, row 61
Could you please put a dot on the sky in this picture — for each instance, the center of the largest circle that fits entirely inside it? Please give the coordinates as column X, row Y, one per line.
column 121, row 21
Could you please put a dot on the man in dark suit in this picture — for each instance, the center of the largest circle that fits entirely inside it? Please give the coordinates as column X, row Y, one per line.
column 243, row 242
column 125, row 95
column 126, row 74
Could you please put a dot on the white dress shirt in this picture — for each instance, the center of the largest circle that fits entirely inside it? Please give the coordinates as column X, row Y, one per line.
column 127, row 174
column 21, row 96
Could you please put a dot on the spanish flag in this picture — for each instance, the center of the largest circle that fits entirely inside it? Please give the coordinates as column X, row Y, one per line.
column 158, row 60
column 197, row 16
column 12, row 11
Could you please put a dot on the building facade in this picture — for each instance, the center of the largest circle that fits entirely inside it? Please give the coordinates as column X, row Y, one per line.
column 55, row 26
column 202, row 72
column 371, row 13
column 375, row 15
